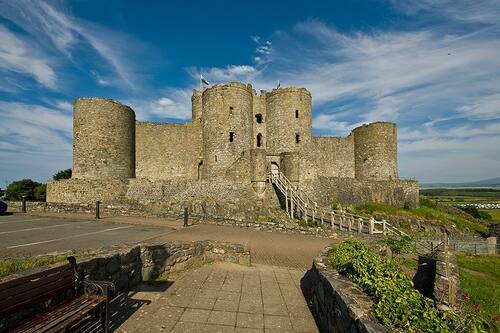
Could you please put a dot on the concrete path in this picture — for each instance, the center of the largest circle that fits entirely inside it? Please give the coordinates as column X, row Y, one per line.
column 224, row 298
column 269, row 248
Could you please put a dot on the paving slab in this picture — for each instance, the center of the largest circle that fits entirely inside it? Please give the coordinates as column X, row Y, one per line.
column 198, row 302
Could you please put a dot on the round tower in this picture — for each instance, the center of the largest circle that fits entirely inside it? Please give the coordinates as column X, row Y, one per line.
column 375, row 151
column 103, row 139
column 290, row 165
column 196, row 105
column 289, row 119
column 227, row 126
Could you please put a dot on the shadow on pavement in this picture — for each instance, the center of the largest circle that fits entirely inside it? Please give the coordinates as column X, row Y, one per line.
column 122, row 307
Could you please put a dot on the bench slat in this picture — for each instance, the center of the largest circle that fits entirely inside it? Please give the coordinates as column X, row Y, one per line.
column 16, row 305
column 62, row 316
column 32, row 284
column 27, row 278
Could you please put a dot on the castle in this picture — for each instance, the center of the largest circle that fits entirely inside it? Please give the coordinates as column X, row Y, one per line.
column 223, row 156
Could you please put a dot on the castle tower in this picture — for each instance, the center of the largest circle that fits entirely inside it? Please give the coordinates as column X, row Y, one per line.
column 227, row 126
column 375, row 151
column 104, row 139
column 289, row 122
column 196, row 105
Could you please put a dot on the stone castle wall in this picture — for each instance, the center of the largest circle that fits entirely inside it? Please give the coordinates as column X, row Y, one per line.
column 103, row 139
column 328, row 157
column 327, row 191
column 86, row 190
column 166, row 151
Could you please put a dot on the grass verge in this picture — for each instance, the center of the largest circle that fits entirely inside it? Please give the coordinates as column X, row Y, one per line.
column 12, row 266
column 427, row 210
column 480, row 279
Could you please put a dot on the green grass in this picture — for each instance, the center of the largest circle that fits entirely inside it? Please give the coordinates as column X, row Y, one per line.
column 480, row 278
column 11, row 266
column 427, row 210
column 495, row 214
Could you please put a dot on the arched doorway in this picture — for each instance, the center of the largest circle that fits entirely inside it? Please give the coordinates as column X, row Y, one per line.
column 200, row 169
column 275, row 168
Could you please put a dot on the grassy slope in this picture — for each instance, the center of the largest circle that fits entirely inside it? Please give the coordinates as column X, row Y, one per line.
column 495, row 214
column 480, row 277
column 426, row 210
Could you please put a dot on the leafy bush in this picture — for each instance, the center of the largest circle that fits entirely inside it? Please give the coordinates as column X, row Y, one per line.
column 26, row 187
column 399, row 244
column 398, row 306
column 474, row 212
column 63, row 174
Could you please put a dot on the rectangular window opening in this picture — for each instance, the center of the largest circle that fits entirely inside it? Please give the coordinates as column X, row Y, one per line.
column 296, row 113
column 297, row 138
column 231, row 136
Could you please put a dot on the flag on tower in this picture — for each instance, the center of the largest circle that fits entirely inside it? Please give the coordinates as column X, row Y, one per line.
column 279, row 85
column 202, row 79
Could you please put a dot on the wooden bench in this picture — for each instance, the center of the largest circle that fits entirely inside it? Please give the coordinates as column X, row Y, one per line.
column 80, row 299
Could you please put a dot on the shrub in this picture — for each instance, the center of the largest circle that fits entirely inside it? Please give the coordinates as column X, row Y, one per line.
column 63, row 174
column 25, row 187
column 398, row 244
column 398, row 306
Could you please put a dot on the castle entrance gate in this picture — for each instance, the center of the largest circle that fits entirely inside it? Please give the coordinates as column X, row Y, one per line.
column 275, row 169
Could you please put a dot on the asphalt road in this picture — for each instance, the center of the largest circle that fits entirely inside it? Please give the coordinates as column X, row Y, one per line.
column 37, row 235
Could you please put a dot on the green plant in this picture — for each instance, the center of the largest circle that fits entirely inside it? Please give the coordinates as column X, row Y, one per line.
column 398, row 306
column 63, row 174
column 308, row 224
column 399, row 244
column 11, row 266
column 25, row 187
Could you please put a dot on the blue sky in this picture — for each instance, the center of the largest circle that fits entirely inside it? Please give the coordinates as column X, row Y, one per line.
column 431, row 66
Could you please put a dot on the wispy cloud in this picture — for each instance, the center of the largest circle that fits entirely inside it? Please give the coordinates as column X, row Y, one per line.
column 172, row 103
column 48, row 24
column 18, row 56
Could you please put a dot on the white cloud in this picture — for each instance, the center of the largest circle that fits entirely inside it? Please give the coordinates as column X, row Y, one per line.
column 174, row 104
column 46, row 23
column 18, row 56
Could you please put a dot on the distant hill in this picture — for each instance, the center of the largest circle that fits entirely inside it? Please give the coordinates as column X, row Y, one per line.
column 492, row 182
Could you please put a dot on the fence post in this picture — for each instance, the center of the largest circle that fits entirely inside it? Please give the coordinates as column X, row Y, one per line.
column 333, row 219
column 186, row 216
column 322, row 216
column 475, row 249
column 97, row 209
column 360, row 225
column 383, row 227
column 23, row 206
column 350, row 223
column 291, row 204
column 286, row 199
column 372, row 226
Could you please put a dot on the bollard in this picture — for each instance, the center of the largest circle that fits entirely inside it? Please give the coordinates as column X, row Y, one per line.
column 186, row 216
column 24, row 204
column 97, row 209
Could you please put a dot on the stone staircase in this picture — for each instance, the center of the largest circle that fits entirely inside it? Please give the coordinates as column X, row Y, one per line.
column 300, row 206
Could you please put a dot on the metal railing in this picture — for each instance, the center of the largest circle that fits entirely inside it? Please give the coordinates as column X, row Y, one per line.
column 299, row 205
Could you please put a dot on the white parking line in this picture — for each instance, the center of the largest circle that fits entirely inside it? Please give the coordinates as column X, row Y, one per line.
column 40, row 228
column 75, row 236
column 22, row 220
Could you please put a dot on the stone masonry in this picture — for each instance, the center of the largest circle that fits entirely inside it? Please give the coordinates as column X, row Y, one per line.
column 235, row 138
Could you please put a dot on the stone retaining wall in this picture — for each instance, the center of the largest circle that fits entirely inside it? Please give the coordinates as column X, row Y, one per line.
column 127, row 267
column 338, row 304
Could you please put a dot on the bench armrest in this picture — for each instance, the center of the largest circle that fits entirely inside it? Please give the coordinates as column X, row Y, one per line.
column 98, row 288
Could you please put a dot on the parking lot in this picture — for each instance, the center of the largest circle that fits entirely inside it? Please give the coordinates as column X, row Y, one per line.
column 37, row 235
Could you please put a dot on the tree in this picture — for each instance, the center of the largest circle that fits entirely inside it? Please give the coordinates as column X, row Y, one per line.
column 63, row 174
column 26, row 187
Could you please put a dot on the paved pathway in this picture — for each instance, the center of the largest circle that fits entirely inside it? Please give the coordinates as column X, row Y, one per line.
column 225, row 298
column 270, row 248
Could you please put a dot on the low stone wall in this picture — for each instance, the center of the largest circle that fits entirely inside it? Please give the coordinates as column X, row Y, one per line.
column 338, row 304
column 271, row 219
column 86, row 190
column 346, row 191
column 128, row 267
